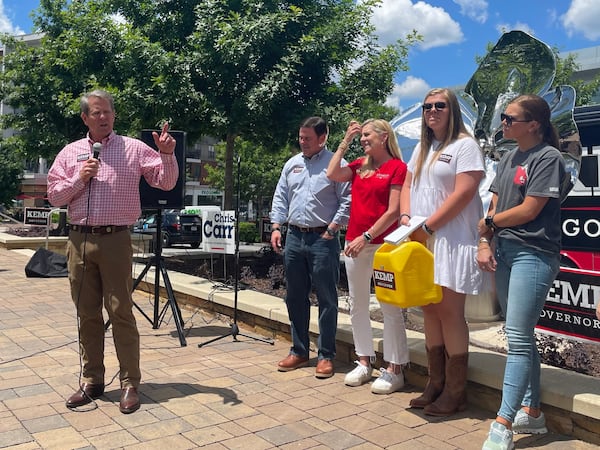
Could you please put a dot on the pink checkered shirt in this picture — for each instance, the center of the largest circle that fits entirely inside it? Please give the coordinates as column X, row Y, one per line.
column 114, row 196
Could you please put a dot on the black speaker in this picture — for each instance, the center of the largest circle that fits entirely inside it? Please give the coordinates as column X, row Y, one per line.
column 46, row 264
column 154, row 198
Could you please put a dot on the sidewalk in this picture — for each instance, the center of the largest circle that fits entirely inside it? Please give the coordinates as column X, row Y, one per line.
column 224, row 395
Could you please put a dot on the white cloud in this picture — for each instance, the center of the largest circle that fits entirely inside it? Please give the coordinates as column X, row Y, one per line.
column 394, row 19
column 583, row 17
column 6, row 25
column 505, row 27
column 410, row 90
column 474, row 9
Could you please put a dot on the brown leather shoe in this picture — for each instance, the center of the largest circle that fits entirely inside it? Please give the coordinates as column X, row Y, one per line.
column 130, row 400
column 324, row 368
column 292, row 362
column 86, row 393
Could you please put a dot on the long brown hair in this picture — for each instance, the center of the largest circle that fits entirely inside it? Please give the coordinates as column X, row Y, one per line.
column 380, row 127
column 536, row 108
column 456, row 129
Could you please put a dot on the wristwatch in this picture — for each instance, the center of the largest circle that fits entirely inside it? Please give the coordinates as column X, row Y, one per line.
column 489, row 222
column 330, row 232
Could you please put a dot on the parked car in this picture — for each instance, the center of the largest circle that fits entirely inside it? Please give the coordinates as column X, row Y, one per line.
column 177, row 228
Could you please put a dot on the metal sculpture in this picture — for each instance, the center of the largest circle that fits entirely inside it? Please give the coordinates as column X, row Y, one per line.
column 518, row 64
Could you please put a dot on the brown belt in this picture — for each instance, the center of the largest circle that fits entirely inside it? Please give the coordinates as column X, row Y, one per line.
column 98, row 229
column 319, row 230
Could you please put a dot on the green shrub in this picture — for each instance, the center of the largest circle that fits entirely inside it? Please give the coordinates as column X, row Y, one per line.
column 249, row 232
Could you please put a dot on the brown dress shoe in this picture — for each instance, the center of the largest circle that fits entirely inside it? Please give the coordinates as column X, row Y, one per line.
column 324, row 368
column 292, row 362
column 130, row 400
column 86, row 393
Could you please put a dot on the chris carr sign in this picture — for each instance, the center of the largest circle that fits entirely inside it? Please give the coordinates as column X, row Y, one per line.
column 218, row 232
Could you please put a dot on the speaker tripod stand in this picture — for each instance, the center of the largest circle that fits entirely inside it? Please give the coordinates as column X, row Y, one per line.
column 235, row 329
column 157, row 261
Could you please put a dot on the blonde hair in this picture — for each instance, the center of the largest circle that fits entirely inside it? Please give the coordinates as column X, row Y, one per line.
column 456, row 129
column 380, row 127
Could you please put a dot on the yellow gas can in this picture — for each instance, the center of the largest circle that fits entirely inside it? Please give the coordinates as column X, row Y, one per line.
column 403, row 275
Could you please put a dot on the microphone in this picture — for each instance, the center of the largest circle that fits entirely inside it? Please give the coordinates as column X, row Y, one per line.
column 97, row 148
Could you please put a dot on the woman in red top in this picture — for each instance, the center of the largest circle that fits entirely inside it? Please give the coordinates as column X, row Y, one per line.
column 377, row 180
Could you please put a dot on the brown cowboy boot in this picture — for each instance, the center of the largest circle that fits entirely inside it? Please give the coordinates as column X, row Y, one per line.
column 436, row 358
column 454, row 396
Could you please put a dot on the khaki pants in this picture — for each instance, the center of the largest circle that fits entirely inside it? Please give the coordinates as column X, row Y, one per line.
column 100, row 274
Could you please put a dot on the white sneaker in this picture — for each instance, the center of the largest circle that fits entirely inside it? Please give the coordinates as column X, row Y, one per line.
column 359, row 375
column 526, row 424
column 500, row 438
column 387, row 382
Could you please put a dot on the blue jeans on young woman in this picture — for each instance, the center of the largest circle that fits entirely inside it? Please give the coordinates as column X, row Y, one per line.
column 312, row 261
column 524, row 276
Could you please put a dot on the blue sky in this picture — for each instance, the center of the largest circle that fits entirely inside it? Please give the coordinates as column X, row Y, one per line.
column 454, row 32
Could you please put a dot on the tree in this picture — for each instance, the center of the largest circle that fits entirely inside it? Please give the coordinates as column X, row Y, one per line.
column 259, row 170
column 565, row 68
column 10, row 170
column 264, row 65
column 226, row 68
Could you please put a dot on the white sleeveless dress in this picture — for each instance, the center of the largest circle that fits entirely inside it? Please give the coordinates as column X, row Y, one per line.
column 454, row 245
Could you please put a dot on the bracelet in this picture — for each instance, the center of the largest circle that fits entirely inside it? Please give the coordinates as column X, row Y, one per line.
column 368, row 237
column 343, row 146
column 405, row 215
column 484, row 240
column 427, row 230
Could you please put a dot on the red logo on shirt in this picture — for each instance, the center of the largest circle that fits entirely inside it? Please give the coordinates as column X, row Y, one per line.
column 520, row 176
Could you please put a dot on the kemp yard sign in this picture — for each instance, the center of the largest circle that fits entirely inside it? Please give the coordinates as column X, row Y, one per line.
column 37, row 216
column 570, row 309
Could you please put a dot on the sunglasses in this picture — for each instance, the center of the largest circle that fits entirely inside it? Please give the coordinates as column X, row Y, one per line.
column 438, row 106
column 510, row 119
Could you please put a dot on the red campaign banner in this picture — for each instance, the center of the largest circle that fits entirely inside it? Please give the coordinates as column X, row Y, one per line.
column 570, row 309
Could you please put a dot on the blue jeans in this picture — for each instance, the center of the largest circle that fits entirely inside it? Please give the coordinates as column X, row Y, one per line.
column 311, row 260
column 523, row 278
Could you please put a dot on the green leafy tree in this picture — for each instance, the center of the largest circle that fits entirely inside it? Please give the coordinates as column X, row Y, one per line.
column 565, row 69
column 11, row 168
column 259, row 171
column 264, row 65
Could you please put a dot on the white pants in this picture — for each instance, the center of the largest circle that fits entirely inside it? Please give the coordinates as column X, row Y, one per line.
column 359, row 271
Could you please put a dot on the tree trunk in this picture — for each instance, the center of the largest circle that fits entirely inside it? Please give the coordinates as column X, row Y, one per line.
column 229, row 161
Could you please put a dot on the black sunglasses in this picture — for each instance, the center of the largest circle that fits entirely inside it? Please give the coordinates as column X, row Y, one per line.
column 438, row 106
column 510, row 119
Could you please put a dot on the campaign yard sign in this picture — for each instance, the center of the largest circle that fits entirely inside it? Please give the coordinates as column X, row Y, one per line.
column 570, row 309
column 37, row 216
column 218, row 231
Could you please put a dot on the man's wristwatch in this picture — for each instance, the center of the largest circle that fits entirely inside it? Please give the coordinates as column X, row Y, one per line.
column 275, row 229
column 368, row 237
column 330, row 232
column 489, row 222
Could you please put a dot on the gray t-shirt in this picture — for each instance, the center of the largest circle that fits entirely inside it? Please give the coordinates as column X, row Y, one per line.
column 537, row 172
